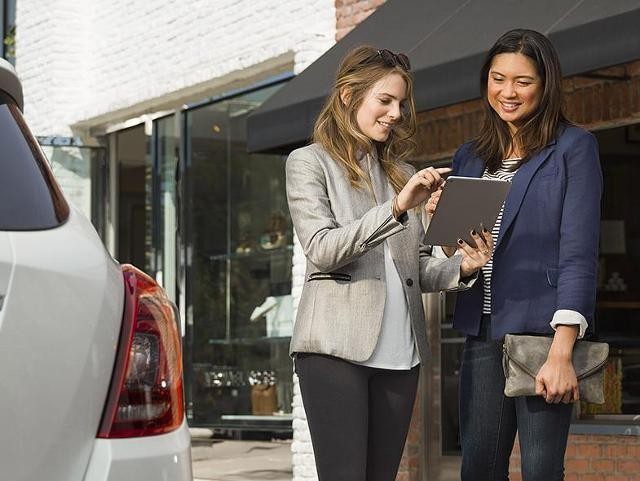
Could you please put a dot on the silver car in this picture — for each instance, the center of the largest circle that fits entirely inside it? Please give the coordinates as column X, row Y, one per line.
column 90, row 353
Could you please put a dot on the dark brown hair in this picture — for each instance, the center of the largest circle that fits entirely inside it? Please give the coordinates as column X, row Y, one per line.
column 495, row 140
column 336, row 128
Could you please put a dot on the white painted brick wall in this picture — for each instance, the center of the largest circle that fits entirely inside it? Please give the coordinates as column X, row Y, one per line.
column 304, row 465
column 80, row 60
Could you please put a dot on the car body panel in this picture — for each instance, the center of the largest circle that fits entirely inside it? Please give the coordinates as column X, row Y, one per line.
column 61, row 318
column 59, row 331
column 166, row 457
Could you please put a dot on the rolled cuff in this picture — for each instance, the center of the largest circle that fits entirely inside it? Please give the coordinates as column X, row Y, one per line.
column 567, row 317
column 463, row 283
column 438, row 252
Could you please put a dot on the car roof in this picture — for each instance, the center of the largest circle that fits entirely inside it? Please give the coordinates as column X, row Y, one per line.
column 10, row 83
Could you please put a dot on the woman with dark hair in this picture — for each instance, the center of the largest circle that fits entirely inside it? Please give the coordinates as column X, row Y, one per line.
column 541, row 278
column 360, row 331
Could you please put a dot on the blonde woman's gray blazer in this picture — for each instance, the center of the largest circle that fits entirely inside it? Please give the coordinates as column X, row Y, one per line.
column 341, row 230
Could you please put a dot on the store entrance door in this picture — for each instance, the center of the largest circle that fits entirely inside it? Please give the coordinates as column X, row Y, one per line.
column 134, row 197
column 441, row 420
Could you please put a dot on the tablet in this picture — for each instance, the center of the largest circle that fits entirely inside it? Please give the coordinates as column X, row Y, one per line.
column 466, row 203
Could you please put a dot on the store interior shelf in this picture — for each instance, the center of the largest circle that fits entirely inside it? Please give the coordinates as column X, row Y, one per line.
column 248, row 340
column 277, row 423
column 253, row 254
column 618, row 304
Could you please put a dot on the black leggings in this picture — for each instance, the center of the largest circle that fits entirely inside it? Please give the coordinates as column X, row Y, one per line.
column 358, row 416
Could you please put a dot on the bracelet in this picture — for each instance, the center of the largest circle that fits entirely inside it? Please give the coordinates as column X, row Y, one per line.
column 394, row 207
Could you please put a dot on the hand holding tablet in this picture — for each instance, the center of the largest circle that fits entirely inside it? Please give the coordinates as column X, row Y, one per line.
column 466, row 203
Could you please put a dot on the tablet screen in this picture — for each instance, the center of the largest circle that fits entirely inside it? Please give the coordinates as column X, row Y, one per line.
column 466, row 203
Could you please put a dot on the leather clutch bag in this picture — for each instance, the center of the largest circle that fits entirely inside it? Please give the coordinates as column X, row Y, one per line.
column 523, row 356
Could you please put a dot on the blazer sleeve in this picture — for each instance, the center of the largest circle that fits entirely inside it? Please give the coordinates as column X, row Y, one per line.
column 442, row 273
column 327, row 244
column 580, row 227
column 439, row 272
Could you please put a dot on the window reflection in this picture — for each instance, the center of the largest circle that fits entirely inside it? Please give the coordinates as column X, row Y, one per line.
column 165, row 231
column 618, row 302
column 82, row 175
column 239, row 238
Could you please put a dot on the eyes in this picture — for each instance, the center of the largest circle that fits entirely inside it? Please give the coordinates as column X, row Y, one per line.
column 519, row 82
column 384, row 100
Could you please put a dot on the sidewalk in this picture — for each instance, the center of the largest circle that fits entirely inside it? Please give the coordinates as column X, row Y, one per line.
column 216, row 460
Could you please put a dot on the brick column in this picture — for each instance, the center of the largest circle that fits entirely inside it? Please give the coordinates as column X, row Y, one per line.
column 349, row 13
column 304, row 464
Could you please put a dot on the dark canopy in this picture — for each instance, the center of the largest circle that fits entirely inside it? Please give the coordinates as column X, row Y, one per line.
column 446, row 41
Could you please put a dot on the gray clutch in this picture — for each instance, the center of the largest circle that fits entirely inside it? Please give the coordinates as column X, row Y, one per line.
column 523, row 357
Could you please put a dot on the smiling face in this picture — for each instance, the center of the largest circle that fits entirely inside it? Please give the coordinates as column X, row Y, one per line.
column 514, row 88
column 381, row 107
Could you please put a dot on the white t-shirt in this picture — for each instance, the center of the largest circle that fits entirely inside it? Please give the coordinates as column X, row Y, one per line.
column 396, row 347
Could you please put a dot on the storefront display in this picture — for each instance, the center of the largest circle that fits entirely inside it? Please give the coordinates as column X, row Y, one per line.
column 239, row 243
column 618, row 302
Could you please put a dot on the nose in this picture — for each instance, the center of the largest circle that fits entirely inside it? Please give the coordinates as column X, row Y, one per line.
column 508, row 91
column 394, row 111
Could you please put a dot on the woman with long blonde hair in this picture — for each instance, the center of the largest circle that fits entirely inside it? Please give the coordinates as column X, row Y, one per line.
column 360, row 333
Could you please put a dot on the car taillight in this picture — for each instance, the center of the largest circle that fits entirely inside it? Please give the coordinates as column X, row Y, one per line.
column 145, row 396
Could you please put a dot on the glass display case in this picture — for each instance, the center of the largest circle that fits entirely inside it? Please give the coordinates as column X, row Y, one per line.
column 239, row 256
column 618, row 301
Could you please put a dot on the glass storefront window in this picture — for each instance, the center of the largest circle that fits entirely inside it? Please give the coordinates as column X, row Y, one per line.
column 8, row 29
column 618, row 302
column 82, row 175
column 165, row 198
column 239, row 254
column 134, row 198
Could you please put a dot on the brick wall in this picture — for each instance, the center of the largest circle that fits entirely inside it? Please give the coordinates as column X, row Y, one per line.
column 410, row 468
column 90, row 61
column 594, row 458
column 350, row 13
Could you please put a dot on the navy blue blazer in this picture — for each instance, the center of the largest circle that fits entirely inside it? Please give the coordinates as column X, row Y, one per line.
column 546, row 254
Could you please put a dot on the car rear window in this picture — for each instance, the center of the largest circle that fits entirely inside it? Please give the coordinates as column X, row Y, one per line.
column 30, row 198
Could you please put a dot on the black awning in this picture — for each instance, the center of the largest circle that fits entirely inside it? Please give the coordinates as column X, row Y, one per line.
column 446, row 41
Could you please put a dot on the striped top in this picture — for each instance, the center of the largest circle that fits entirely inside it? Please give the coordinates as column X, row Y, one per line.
column 505, row 172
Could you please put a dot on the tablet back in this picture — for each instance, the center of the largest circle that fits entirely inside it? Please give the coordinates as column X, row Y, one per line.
column 466, row 203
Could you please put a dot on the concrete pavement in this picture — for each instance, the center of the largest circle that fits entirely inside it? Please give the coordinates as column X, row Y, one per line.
column 216, row 460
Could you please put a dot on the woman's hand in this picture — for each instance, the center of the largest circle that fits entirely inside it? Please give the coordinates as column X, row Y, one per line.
column 430, row 208
column 434, row 198
column 556, row 381
column 419, row 187
column 474, row 259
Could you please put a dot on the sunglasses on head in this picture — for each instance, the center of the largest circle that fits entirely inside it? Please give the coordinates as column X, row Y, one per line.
column 394, row 59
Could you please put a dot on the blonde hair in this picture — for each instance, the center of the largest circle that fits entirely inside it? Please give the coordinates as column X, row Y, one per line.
column 336, row 127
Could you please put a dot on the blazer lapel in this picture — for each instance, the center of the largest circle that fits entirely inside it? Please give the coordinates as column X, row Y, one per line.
column 519, row 186
column 378, row 178
column 473, row 168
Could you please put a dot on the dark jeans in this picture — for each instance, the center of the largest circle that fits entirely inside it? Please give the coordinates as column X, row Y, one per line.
column 489, row 420
column 358, row 416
